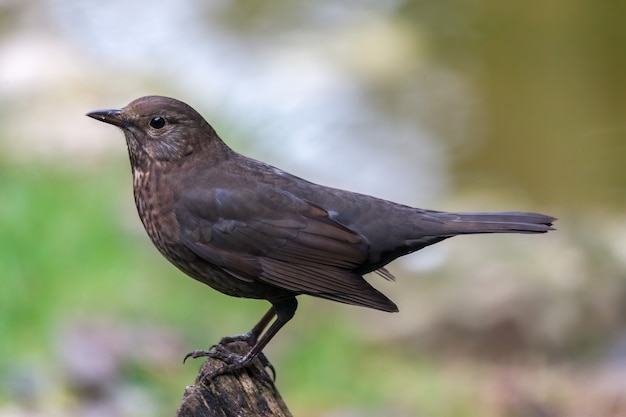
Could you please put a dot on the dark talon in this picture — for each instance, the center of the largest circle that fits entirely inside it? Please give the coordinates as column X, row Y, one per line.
column 197, row 354
column 266, row 364
column 233, row 360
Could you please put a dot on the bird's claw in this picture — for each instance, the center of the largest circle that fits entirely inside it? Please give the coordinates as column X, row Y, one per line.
column 216, row 352
column 233, row 361
column 219, row 350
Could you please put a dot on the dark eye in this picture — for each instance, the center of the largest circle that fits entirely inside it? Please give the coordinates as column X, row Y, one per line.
column 157, row 122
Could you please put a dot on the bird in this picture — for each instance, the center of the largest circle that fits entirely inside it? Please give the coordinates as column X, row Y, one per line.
column 251, row 230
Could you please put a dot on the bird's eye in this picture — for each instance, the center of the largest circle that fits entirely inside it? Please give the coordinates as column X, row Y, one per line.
column 157, row 122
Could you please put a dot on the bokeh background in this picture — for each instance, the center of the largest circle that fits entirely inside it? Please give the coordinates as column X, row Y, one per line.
column 451, row 105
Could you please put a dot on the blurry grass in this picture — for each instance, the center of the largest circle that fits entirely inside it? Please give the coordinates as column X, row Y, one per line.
column 72, row 246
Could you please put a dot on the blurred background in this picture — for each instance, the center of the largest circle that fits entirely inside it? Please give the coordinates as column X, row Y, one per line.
column 450, row 105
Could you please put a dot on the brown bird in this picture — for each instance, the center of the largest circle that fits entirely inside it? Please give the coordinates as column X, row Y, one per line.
column 251, row 230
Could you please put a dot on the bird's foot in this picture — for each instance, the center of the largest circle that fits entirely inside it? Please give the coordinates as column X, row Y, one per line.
column 233, row 361
column 219, row 350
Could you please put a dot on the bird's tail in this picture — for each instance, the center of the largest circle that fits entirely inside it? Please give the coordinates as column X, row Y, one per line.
column 504, row 222
column 434, row 226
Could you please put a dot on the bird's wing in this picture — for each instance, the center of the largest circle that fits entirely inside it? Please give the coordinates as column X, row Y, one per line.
column 274, row 237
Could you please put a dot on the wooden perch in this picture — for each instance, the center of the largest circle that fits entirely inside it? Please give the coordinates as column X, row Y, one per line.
column 246, row 392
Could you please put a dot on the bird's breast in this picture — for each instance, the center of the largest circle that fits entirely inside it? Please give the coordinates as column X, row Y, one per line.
column 154, row 199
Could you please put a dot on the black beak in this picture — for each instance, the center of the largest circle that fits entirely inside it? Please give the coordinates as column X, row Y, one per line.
column 113, row 116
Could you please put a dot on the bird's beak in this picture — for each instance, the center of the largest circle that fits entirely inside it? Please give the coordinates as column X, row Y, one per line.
column 113, row 116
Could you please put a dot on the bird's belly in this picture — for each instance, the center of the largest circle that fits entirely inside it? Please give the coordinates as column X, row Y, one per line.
column 164, row 232
column 154, row 205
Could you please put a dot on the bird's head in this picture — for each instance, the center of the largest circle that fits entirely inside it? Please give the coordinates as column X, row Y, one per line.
column 160, row 129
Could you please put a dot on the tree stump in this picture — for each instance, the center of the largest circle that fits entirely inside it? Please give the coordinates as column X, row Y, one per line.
column 245, row 392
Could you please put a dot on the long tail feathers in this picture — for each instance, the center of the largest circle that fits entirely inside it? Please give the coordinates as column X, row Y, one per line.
column 505, row 222
column 435, row 226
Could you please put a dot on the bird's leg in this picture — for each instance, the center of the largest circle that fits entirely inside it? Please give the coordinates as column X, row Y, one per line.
column 253, row 335
column 284, row 311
